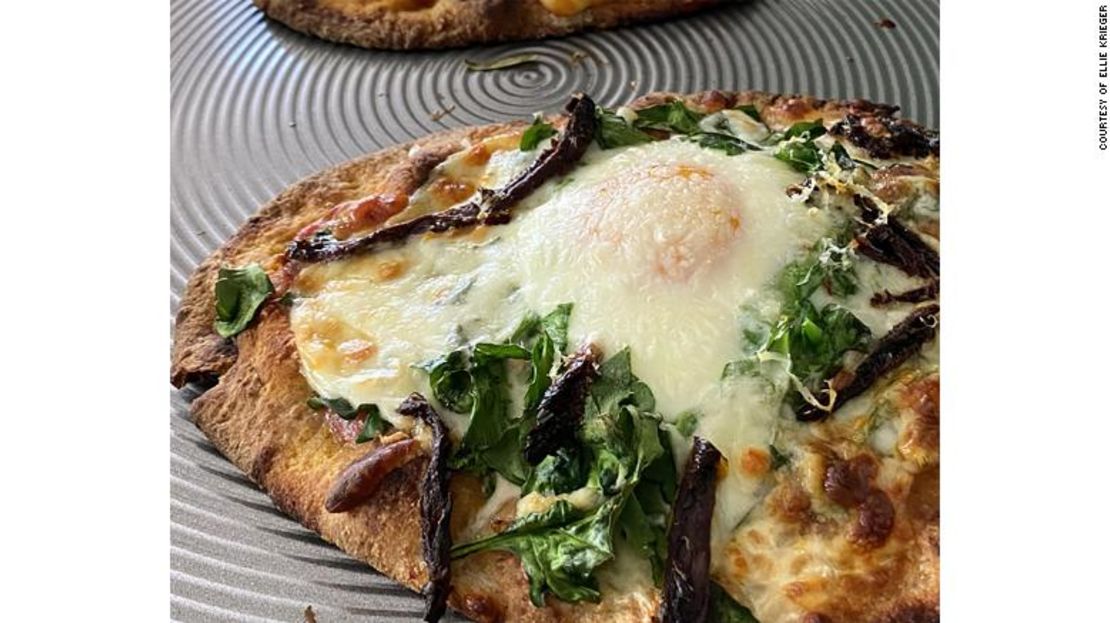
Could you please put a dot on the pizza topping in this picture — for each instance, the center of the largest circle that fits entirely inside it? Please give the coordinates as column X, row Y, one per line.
column 686, row 585
column 885, row 137
column 628, row 483
column 492, row 207
column 797, row 147
column 894, row 348
column 536, row 133
column 476, row 382
column 808, row 341
column 874, row 521
column 364, row 213
column 890, row 242
column 435, row 508
column 359, row 480
column 927, row 292
column 724, row 609
column 613, row 131
column 560, row 411
column 240, row 293
column 848, row 482
column 359, row 424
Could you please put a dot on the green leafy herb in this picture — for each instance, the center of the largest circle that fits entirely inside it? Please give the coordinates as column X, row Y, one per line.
column 536, row 133
column 686, row 423
column 340, row 406
column 804, row 156
column 614, row 131
column 504, row 62
column 561, row 472
column 843, row 160
column 673, row 116
column 476, row 382
column 502, row 351
column 645, row 526
column 451, row 382
column 806, row 130
column 555, row 324
column 724, row 609
column 623, row 458
column 731, row 145
column 240, row 292
column 830, row 266
column 797, row 147
column 813, row 340
column 750, row 110
column 373, row 425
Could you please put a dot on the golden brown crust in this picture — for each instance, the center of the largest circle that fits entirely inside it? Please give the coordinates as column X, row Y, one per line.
column 256, row 413
column 450, row 23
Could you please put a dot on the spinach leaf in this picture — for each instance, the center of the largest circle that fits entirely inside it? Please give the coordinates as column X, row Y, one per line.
column 622, row 457
column 817, row 339
column 536, row 133
column 614, row 131
column 843, row 160
column 502, row 351
column 750, row 110
column 813, row 340
column 340, row 406
column 489, row 412
column 673, row 116
column 686, row 423
column 830, row 265
column 561, row 472
column 731, row 145
column 373, row 425
column 476, row 382
column 804, row 156
column 555, row 325
column 797, row 147
column 806, row 130
column 724, row 609
column 449, row 377
column 643, row 522
column 240, row 292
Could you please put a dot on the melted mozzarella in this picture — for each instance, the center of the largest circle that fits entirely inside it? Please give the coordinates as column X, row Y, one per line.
column 658, row 246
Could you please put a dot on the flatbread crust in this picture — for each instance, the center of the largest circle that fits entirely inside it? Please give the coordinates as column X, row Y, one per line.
column 255, row 411
column 450, row 23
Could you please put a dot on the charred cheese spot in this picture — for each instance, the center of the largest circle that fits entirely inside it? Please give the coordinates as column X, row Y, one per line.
column 920, row 438
column 755, row 462
column 389, row 270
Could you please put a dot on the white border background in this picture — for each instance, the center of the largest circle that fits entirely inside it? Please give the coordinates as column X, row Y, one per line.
column 84, row 142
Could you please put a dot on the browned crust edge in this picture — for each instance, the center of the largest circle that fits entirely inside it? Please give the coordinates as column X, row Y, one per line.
column 256, row 415
column 453, row 23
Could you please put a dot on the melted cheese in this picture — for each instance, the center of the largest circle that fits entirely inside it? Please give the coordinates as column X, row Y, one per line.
column 658, row 246
column 567, row 8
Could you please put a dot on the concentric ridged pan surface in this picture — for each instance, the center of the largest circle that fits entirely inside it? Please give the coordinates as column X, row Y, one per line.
column 256, row 106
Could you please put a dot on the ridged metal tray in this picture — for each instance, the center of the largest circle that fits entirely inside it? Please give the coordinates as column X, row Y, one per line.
column 256, row 106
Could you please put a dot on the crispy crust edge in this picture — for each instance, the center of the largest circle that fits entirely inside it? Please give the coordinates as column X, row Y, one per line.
column 255, row 411
column 453, row 23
